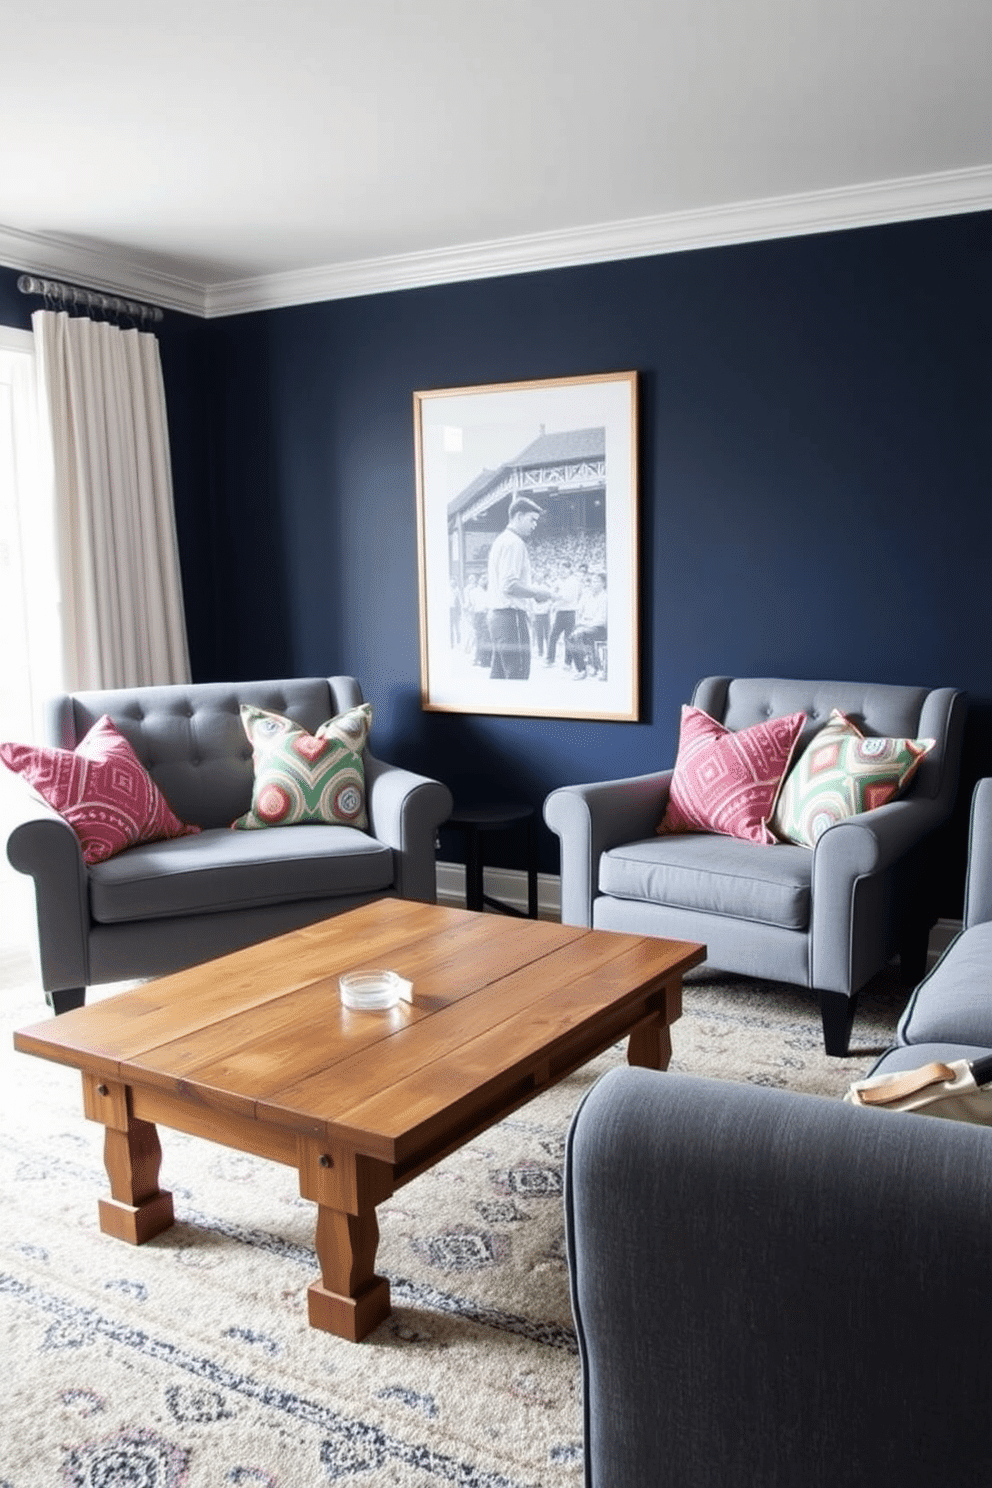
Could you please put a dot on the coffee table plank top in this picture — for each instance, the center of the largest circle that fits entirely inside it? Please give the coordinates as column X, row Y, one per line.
column 262, row 1033
column 499, row 1068
column 114, row 1032
column 515, row 1019
column 309, row 1029
column 452, row 1002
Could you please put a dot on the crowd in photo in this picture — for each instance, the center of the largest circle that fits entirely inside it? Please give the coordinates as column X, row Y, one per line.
column 568, row 632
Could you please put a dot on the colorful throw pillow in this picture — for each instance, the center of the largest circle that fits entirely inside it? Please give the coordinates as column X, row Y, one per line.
column 102, row 790
column 726, row 781
column 841, row 773
column 301, row 777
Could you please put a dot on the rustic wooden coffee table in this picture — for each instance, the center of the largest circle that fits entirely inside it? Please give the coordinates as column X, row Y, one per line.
column 255, row 1051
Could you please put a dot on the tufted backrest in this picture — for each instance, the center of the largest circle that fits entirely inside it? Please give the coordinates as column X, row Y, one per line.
column 190, row 738
column 878, row 708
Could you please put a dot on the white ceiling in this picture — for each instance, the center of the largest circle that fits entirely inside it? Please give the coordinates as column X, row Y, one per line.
column 220, row 154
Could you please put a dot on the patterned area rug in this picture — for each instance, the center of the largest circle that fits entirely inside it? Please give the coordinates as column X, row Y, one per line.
column 189, row 1361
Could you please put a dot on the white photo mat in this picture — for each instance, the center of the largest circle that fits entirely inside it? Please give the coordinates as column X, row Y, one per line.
column 578, row 437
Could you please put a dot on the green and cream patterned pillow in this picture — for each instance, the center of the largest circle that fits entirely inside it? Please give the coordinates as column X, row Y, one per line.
column 841, row 773
column 301, row 777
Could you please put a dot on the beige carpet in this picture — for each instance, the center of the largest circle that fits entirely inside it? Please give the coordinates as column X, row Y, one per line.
column 189, row 1361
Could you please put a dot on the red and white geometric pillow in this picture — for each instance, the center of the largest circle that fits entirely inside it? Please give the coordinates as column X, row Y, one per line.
column 102, row 790
column 726, row 781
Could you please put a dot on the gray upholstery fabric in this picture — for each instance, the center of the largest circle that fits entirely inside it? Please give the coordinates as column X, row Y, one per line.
column 867, row 892
column 749, row 948
column 978, row 885
column 221, row 869
column 190, row 738
column 949, row 1016
column 915, row 1056
column 875, row 708
column 714, row 875
column 113, row 951
column 953, row 1003
column 162, row 906
column 776, row 1290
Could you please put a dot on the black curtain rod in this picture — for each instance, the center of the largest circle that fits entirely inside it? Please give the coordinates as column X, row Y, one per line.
column 89, row 299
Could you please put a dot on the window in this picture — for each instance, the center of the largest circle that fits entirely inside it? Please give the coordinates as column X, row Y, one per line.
column 29, row 596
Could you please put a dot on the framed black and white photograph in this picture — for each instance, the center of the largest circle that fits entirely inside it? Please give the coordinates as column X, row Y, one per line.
column 527, row 534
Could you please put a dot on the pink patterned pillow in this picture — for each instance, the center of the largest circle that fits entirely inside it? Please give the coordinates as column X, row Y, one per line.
column 729, row 782
column 102, row 790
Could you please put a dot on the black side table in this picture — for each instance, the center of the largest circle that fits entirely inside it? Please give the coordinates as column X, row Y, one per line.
column 476, row 822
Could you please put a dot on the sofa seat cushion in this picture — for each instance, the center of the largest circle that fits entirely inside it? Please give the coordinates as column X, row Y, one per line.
column 915, row 1056
column 221, row 869
column 953, row 1003
column 714, row 875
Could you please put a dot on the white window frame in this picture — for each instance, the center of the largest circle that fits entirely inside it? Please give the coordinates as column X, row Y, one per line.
column 30, row 669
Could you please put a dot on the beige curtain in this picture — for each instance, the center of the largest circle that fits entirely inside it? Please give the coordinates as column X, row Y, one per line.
column 122, row 615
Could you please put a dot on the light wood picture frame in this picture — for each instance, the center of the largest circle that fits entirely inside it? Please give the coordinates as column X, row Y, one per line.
column 527, row 529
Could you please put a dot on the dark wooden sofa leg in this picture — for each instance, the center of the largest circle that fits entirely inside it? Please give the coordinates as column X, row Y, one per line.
column 837, row 1012
column 66, row 998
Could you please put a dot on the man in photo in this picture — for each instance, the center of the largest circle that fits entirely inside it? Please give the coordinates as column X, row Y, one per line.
column 510, row 587
column 590, row 631
column 569, row 596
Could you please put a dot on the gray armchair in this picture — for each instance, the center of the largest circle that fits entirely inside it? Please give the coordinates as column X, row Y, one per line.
column 773, row 1290
column 162, row 906
column 828, row 918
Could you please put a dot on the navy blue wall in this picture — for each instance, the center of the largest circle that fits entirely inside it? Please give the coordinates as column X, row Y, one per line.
column 816, row 476
column 816, row 473
column 15, row 308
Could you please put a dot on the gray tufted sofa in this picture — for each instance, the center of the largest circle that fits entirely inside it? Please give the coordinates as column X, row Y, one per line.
column 162, row 906
column 828, row 918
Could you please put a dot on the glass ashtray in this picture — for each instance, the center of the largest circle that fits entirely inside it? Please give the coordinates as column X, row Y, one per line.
column 367, row 990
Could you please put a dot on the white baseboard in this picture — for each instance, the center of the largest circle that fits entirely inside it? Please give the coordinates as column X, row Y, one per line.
column 508, row 884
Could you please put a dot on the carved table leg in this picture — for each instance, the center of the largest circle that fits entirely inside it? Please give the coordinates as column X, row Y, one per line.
column 350, row 1299
column 137, row 1208
column 650, row 1043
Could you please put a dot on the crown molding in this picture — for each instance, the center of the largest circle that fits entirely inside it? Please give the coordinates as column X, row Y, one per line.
column 54, row 257
column 940, row 194
column 935, row 195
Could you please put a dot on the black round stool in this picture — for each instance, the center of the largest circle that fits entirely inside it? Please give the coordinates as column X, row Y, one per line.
column 476, row 822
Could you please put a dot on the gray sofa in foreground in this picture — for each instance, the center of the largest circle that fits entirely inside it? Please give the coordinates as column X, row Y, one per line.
column 830, row 917
column 161, row 906
column 774, row 1290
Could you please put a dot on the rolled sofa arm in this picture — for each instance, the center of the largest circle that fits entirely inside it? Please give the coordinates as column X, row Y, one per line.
column 44, row 845
column 589, row 820
column 405, row 811
column 978, row 887
column 736, row 1255
column 845, row 943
